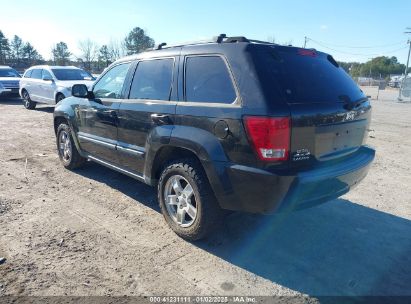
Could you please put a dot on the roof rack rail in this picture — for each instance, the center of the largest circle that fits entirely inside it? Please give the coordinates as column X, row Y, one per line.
column 222, row 38
column 219, row 38
column 261, row 41
column 236, row 39
column 160, row 46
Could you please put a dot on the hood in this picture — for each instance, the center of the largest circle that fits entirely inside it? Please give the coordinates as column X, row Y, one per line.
column 69, row 83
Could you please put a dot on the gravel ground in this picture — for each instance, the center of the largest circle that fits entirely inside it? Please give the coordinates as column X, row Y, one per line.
column 97, row 232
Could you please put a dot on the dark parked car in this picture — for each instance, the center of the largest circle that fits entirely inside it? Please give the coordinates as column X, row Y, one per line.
column 230, row 124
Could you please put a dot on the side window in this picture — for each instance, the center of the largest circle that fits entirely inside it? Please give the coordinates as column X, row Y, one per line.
column 207, row 79
column 46, row 74
column 28, row 74
column 36, row 74
column 111, row 84
column 152, row 79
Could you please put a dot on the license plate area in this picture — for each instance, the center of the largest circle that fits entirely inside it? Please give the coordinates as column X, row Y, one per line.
column 332, row 140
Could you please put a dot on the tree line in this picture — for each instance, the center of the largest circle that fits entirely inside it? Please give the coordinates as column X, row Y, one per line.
column 378, row 68
column 94, row 58
column 18, row 53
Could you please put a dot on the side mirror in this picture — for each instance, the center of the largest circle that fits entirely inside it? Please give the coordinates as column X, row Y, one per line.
column 80, row 90
column 47, row 78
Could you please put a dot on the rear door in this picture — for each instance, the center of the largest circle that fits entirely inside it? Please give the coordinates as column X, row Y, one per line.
column 148, row 110
column 47, row 87
column 329, row 113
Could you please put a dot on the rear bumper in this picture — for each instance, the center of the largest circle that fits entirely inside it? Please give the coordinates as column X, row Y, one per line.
column 255, row 190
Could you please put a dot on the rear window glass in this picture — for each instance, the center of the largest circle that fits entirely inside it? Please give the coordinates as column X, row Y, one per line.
column 304, row 76
column 152, row 80
column 207, row 80
column 46, row 74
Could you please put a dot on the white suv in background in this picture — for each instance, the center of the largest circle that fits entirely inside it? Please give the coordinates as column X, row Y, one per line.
column 50, row 84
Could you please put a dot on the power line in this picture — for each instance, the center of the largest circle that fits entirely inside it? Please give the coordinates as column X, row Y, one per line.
column 360, row 47
column 357, row 54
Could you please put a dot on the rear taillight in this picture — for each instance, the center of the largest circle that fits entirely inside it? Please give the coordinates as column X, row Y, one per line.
column 270, row 136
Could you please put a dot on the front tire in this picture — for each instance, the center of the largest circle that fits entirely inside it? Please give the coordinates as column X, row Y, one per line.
column 28, row 103
column 187, row 201
column 67, row 150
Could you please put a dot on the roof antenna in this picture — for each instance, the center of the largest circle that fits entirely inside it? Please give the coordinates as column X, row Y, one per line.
column 220, row 38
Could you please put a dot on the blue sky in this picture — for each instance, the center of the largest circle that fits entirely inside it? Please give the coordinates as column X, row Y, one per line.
column 334, row 24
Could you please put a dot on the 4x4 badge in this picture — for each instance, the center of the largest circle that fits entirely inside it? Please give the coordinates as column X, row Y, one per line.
column 350, row 116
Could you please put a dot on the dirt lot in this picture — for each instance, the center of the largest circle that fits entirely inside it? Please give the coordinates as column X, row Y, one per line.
column 97, row 232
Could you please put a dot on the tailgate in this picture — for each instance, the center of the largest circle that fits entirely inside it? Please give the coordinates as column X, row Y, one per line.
column 321, row 132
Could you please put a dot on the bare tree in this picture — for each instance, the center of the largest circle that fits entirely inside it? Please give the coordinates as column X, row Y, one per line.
column 116, row 49
column 89, row 50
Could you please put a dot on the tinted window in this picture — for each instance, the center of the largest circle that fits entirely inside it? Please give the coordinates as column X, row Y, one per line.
column 9, row 73
column 207, row 80
column 36, row 74
column 111, row 83
column 304, row 76
column 28, row 74
column 46, row 74
column 71, row 74
column 152, row 79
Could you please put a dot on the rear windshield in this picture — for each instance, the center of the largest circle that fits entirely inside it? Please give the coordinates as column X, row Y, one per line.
column 9, row 73
column 71, row 74
column 305, row 76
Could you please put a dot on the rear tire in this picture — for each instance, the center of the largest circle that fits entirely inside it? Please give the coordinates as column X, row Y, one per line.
column 67, row 150
column 28, row 103
column 187, row 201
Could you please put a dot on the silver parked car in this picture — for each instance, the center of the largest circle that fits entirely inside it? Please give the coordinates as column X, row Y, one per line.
column 9, row 81
column 50, row 84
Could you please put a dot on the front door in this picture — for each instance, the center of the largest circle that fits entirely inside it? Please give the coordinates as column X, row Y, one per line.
column 148, row 112
column 99, row 116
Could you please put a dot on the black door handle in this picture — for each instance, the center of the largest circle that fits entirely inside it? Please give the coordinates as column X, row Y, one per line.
column 161, row 119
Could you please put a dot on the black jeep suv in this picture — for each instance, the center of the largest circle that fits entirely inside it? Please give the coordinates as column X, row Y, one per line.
column 232, row 124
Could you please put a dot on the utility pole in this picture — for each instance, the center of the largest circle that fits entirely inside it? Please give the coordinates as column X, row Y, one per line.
column 305, row 41
column 408, row 61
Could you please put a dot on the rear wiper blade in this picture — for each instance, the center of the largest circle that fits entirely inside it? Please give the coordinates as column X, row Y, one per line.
column 349, row 105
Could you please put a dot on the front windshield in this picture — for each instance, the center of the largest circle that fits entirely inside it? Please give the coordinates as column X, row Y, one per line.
column 9, row 73
column 71, row 74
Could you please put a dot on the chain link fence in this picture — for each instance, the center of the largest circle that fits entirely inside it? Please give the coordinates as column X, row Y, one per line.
column 405, row 90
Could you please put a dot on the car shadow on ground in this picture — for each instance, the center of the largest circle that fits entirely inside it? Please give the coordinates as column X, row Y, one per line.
column 10, row 101
column 46, row 109
column 338, row 248
column 126, row 185
column 18, row 101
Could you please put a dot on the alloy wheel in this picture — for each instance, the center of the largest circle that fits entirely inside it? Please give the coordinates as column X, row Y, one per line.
column 180, row 201
column 65, row 146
